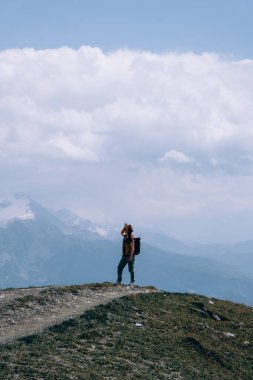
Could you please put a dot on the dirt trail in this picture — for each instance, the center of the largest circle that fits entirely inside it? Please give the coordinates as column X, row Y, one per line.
column 27, row 311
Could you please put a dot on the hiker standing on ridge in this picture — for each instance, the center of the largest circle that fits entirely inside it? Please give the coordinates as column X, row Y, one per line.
column 127, row 253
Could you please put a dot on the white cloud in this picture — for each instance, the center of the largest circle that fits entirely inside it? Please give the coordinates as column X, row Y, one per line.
column 177, row 156
column 195, row 103
column 73, row 151
column 82, row 119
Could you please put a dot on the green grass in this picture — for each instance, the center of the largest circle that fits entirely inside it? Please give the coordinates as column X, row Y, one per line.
column 179, row 339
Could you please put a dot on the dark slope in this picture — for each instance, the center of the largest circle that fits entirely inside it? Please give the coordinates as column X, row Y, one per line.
column 148, row 336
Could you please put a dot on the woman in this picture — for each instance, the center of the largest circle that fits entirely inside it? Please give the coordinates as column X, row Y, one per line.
column 127, row 253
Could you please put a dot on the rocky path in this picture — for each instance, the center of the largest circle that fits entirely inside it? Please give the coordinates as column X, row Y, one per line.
column 27, row 311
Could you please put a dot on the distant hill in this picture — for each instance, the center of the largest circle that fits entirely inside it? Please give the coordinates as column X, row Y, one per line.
column 141, row 336
column 239, row 255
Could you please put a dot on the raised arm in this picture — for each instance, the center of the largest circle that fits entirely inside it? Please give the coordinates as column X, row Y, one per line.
column 124, row 230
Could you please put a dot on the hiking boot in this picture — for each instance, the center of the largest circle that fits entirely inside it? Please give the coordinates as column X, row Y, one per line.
column 118, row 283
column 132, row 284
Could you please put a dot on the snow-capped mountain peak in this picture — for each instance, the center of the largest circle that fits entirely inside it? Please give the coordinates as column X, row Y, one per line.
column 72, row 219
column 100, row 231
column 15, row 207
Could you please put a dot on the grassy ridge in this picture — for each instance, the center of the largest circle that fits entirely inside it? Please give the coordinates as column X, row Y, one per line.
column 181, row 337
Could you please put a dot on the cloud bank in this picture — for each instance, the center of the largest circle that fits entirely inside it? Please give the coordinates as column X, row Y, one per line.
column 129, row 134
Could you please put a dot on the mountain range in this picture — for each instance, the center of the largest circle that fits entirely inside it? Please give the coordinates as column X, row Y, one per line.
column 239, row 255
column 39, row 246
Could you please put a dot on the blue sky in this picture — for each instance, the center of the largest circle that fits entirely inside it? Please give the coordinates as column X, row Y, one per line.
column 222, row 26
column 131, row 111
